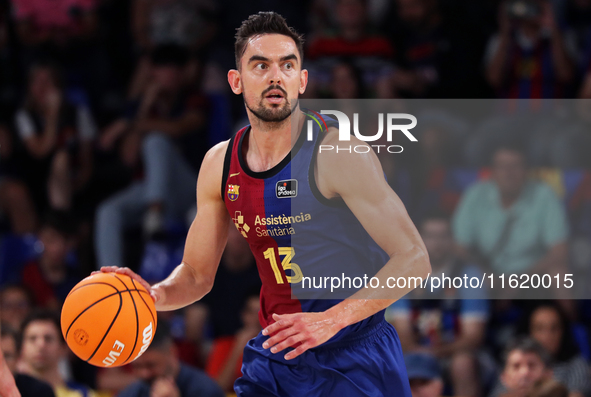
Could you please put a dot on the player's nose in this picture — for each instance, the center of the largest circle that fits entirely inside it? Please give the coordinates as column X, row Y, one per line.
column 275, row 75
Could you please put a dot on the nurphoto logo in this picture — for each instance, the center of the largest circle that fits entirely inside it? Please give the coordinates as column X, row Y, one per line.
column 392, row 126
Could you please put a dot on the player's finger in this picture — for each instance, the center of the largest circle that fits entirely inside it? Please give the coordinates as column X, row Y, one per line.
column 289, row 342
column 277, row 325
column 128, row 272
column 109, row 269
column 298, row 350
column 286, row 333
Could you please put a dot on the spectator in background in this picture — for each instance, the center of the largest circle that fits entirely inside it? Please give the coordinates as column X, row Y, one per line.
column 529, row 57
column 352, row 38
column 346, row 81
column 238, row 273
column 448, row 324
column 16, row 303
column 56, row 23
column 15, row 198
column 67, row 31
column 10, row 75
column 225, row 359
column 549, row 326
column 437, row 57
column 577, row 16
column 162, row 123
column 431, row 161
column 50, row 278
column 42, row 350
column 510, row 223
column 7, row 384
column 424, row 375
column 549, row 388
column 162, row 374
column 58, row 140
column 27, row 385
column 526, row 368
column 188, row 23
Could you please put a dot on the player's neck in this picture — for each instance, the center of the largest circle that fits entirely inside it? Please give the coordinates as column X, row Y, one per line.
column 269, row 143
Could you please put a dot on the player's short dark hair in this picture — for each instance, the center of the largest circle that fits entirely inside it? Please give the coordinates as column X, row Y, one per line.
column 265, row 22
column 40, row 315
column 527, row 344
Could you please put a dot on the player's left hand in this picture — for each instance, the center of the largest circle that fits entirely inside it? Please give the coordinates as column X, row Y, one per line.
column 307, row 329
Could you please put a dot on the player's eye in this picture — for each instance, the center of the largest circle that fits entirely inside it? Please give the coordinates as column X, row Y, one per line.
column 261, row 66
column 289, row 66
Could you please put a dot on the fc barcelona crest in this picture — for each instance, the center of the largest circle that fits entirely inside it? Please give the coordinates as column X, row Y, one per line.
column 233, row 192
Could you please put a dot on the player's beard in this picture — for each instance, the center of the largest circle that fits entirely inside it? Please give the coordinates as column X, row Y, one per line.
column 273, row 114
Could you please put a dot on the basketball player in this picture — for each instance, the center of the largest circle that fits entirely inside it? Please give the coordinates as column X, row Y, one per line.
column 307, row 347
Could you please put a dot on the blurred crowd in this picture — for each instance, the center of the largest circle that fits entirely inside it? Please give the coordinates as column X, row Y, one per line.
column 107, row 108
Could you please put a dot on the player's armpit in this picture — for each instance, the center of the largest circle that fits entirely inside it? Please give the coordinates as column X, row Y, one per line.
column 358, row 179
column 205, row 242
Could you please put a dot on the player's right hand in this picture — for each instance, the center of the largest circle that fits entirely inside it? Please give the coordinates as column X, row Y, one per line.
column 128, row 272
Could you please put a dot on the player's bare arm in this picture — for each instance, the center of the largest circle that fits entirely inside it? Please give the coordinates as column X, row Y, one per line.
column 205, row 242
column 359, row 181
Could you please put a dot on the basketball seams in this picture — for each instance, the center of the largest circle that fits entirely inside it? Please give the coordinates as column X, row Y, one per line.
column 88, row 307
column 81, row 313
column 137, row 320
column 108, row 329
column 139, row 291
column 145, row 303
column 94, row 283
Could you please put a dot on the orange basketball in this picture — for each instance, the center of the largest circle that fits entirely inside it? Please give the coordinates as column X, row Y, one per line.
column 108, row 319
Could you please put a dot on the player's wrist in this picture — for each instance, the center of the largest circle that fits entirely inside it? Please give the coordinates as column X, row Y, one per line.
column 338, row 317
column 159, row 294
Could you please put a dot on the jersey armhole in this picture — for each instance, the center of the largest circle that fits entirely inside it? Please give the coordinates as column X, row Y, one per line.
column 227, row 160
column 336, row 202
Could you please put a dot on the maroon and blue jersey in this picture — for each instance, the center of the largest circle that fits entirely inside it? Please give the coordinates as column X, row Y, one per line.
column 294, row 231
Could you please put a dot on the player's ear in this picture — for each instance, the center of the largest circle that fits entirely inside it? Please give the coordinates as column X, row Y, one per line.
column 234, row 81
column 303, row 81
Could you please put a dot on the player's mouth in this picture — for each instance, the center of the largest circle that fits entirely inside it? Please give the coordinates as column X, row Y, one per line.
column 275, row 96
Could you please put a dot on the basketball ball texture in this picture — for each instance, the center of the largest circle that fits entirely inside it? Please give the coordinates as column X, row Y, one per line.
column 108, row 319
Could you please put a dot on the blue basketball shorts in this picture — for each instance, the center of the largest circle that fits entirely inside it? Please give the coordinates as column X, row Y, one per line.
column 366, row 363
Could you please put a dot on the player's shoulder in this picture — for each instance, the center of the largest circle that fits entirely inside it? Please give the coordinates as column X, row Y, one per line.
column 210, row 173
column 340, row 154
column 345, row 165
column 330, row 137
column 218, row 150
column 214, row 158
